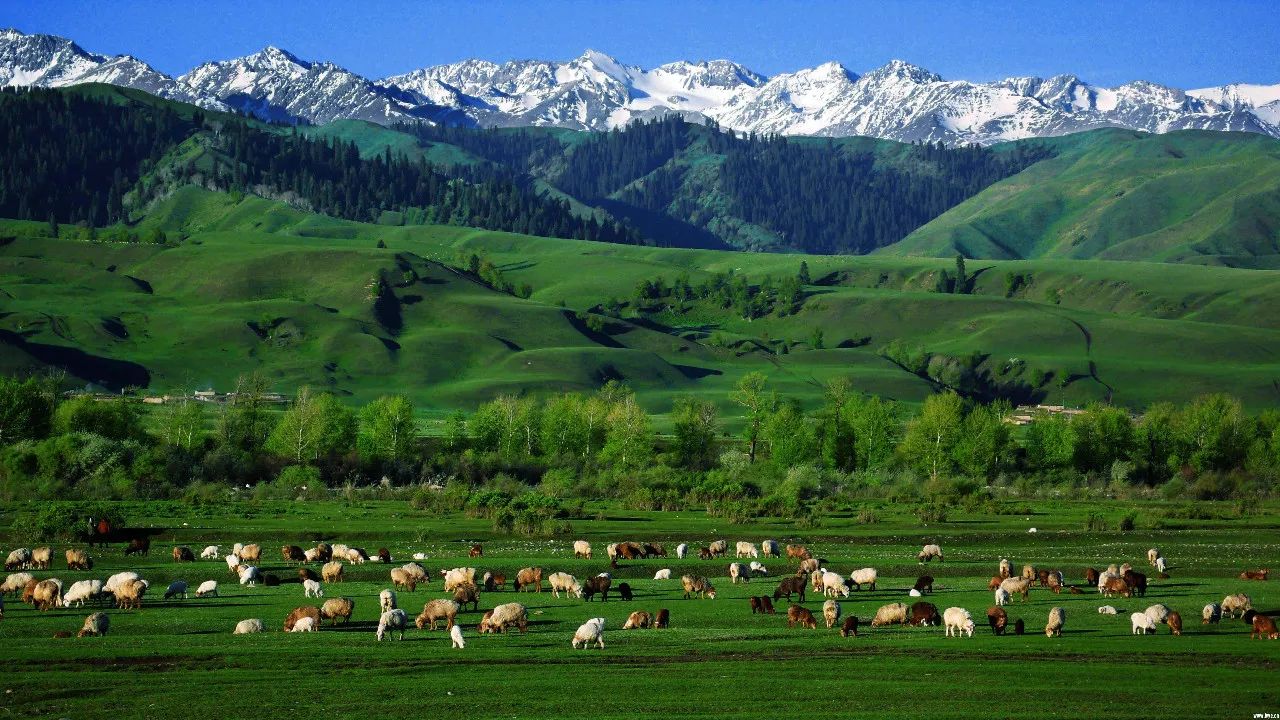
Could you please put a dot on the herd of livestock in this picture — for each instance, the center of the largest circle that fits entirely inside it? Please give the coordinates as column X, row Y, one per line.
column 464, row 585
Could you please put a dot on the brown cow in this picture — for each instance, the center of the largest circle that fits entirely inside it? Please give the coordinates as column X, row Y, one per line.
column 1254, row 574
column 799, row 615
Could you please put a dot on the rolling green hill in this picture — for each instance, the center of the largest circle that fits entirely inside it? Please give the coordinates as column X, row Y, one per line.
column 1193, row 197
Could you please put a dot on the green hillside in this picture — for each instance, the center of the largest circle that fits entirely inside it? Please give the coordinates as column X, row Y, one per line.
column 314, row 300
column 1194, row 197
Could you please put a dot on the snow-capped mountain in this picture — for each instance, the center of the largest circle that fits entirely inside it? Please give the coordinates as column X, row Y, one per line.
column 898, row 101
column 49, row 61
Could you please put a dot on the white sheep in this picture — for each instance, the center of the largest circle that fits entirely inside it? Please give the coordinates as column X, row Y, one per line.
column 929, row 552
column 591, row 631
column 1002, row 597
column 392, row 621
column 746, row 549
column 455, row 633
column 833, row 585
column 210, row 552
column 958, row 620
column 233, row 561
column 311, row 555
column 1057, row 618
column 831, row 613
column 1212, row 613
column 611, row 550
column 561, row 581
column 582, row 549
column 119, row 580
column 1142, row 624
column 1107, row 610
column 176, row 588
column 865, row 576
column 739, row 571
column 769, row 548
column 1160, row 565
column 312, row 588
column 82, row 590
column 249, row 575
column 1006, row 568
column 1237, row 603
column 387, row 600
column 235, row 549
column 207, row 588
column 419, row 556
column 1152, row 554
column 758, row 568
column 914, row 593
column 16, row 582
column 306, row 623
column 681, row 550
column 247, row 627
column 663, row 574
column 1158, row 613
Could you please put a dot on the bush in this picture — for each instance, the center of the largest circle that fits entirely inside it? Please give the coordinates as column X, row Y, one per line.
column 867, row 516
column 1129, row 522
column 931, row 513
column 1096, row 523
column 62, row 522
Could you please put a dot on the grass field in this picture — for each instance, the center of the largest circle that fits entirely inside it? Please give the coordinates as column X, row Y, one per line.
column 179, row 658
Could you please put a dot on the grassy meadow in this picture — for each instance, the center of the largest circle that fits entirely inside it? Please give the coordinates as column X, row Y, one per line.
column 178, row 657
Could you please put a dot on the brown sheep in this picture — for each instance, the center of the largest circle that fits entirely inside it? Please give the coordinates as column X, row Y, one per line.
column 1043, row 577
column 1174, row 621
column 251, row 554
column 850, row 626
column 293, row 553
column 629, row 550
column 624, row 591
column 799, row 615
column 339, row 607
column 788, row 586
column 324, row 552
column 305, row 574
column 1264, row 628
column 925, row 613
column 797, row 552
column 42, row 558
column 494, row 581
column 1091, row 576
column 766, row 605
column 808, row 566
column 924, row 584
column 662, row 620
column 1250, row 574
column 298, row 613
column 756, row 606
column 703, row 554
column 638, row 620
column 995, row 582
column 183, row 554
column 697, row 585
column 436, row 610
column 402, row 578
column 1116, row 586
column 1017, row 586
column 332, row 572
column 598, row 584
column 138, row 546
column 79, row 560
column 654, row 550
column 997, row 618
column 527, row 577
column 1136, row 581
column 467, row 594
column 1029, row 573
column 1076, row 591
column 384, row 555
column 486, row 623
column 1054, row 582
column 129, row 595
column 1019, row 627
column 47, row 594
column 29, row 592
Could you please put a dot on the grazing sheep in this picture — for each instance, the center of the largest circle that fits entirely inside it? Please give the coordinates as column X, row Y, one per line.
column 628, row 550
column 788, row 586
column 130, row 595
column 1029, row 572
column 335, row 608
column 305, row 574
column 467, row 594
column 311, row 588
column 997, row 618
column 1002, row 597
column 891, row 614
column 681, row 550
column 561, row 581
column 697, row 585
column 638, row 620
column 624, row 591
column 387, row 600
column 662, row 620
column 455, row 633
column 1157, row 613
column 207, row 588
column 526, row 578
column 250, row 553
column 739, row 571
column 1006, row 568
column 250, row 575
column 436, row 610
column 233, row 562
column 410, row 575
column 1142, row 624
column 495, row 581
column 506, row 615
column 332, row 572
column 477, row 550
column 769, row 548
column 78, row 560
column 235, row 549
column 797, row 552
column 850, row 626
column 248, row 627
column 1091, row 576
column 924, row 584
column 929, row 552
column 392, row 621
column 119, row 580
column 298, row 613
column 1237, row 603
column 1152, row 554
column 995, row 582
column 582, row 549
column 1114, row 586
column 304, row 624
column 1019, row 627
column 293, row 553
column 176, row 588
column 591, row 631
column 1076, row 591
column 865, row 576
column 210, row 552
column 48, row 594
column 758, row 568
column 324, row 552
column 746, row 549
column 833, row 585
column 799, row 615
column 925, row 613
column 42, row 558
column 808, row 565
column 1254, row 574
column 15, row 583
column 654, row 550
column 19, row 558
column 831, row 613
column 1212, row 613
column 357, row 556
column 81, row 591
column 1055, row 581
column 957, row 620
column 1017, row 586
column 1264, row 628
column 138, row 546
column 718, row 548
column 384, row 556
column 914, row 593
column 598, row 585
column 1161, row 565
column 1136, row 581
column 96, row 625
column 756, row 605
column 1174, row 621
column 663, row 574
column 1057, row 618
column 1107, row 610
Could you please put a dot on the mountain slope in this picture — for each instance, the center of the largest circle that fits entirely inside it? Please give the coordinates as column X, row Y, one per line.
column 1114, row 195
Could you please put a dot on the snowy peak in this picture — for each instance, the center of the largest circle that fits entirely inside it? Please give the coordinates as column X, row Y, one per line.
column 900, row 70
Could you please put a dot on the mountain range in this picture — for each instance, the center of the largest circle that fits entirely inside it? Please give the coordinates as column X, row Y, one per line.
column 596, row 92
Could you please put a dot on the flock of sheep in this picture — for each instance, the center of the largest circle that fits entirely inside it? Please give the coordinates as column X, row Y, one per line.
column 127, row 590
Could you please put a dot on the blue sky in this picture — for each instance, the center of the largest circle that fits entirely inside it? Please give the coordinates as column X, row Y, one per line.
column 1184, row 44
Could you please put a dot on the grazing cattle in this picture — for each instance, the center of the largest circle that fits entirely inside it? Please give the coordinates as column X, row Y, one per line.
column 1264, row 628
column 924, row 584
column 925, row 613
column 788, row 586
column 850, row 626
column 799, row 615
column 183, row 554
column 1254, row 574
column 997, row 618
column 662, row 620
column 599, row 584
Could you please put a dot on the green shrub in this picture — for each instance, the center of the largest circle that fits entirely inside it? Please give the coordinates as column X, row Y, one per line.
column 1096, row 523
